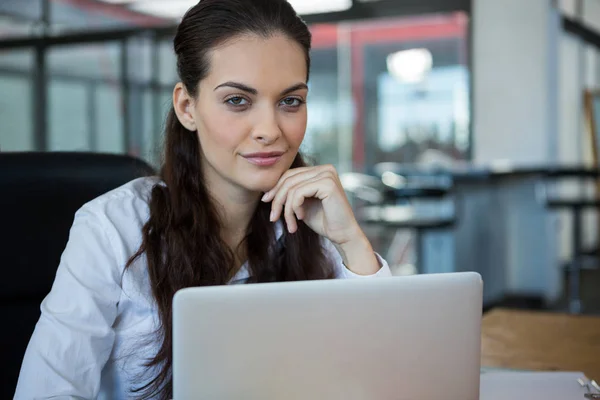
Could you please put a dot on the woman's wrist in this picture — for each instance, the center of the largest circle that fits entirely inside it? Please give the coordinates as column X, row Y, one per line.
column 358, row 256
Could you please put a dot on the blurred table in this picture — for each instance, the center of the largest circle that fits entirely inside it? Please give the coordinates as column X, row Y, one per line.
column 504, row 230
column 541, row 341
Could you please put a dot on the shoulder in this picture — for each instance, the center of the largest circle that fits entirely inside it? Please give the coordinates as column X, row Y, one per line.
column 129, row 199
column 121, row 213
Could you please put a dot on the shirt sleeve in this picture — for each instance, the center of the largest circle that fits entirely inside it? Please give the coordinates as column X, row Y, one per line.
column 342, row 272
column 73, row 338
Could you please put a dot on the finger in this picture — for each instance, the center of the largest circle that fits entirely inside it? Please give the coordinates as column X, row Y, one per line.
column 318, row 188
column 282, row 195
column 290, row 218
column 289, row 173
column 297, row 204
column 294, row 176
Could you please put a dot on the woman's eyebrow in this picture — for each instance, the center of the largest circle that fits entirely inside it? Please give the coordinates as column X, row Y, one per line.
column 251, row 90
column 291, row 89
column 239, row 86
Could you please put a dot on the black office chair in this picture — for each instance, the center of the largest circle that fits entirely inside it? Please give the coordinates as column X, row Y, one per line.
column 39, row 195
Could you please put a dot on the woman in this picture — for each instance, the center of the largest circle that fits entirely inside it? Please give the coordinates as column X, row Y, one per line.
column 234, row 203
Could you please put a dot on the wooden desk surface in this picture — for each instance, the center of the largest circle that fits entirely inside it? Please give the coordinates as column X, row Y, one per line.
column 541, row 341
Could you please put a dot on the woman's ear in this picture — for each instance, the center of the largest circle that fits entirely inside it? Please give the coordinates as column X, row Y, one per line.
column 183, row 104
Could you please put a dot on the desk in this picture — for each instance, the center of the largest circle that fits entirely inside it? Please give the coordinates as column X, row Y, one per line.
column 541, row 341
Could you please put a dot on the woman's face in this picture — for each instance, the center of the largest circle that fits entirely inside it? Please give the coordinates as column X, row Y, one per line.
column 250, row 112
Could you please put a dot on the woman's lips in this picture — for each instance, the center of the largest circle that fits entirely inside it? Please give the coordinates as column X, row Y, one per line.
column 264, row 159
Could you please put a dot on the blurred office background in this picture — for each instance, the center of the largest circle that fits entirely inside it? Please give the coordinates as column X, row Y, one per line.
column 489, row 95
column 98, row 76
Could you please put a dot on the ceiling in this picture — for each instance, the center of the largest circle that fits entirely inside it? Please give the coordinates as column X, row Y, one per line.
column 23, row 17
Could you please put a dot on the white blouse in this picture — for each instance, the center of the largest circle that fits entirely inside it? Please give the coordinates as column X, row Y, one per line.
column 97, row 323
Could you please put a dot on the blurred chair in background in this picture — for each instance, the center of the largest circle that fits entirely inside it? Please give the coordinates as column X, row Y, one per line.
column 400, row 200
column 40, row 193
column 576, row 206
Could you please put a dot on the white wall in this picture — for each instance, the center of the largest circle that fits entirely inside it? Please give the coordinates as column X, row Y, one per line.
column 570, row 99
column 579, row 69
column 591, row 14
column 528, row 82
column 514, row 81
column 568, row 7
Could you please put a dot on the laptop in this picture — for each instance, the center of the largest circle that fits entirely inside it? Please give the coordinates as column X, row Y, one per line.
column 397, row 338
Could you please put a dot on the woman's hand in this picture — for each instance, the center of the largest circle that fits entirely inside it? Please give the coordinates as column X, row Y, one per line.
column 315, row 195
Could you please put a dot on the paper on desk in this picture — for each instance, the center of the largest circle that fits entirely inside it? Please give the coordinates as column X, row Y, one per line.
column 531, row 386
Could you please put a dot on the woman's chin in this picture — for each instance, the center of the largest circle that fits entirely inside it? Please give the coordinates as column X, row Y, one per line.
column 261, row 182
column 261, row 187
column 256, row 185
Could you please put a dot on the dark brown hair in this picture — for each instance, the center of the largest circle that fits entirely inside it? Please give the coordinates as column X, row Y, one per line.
column 181, row 239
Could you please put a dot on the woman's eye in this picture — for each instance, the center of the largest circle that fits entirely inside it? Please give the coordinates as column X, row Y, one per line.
column 237, row 101
column 291, row 102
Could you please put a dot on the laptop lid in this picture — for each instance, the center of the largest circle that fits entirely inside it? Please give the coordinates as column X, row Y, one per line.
column 415, row 337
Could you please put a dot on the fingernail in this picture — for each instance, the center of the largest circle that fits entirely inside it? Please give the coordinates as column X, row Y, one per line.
column 265, row 196
column 272, row 216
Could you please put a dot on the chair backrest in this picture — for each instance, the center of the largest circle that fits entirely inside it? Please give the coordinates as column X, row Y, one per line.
column 39, row 195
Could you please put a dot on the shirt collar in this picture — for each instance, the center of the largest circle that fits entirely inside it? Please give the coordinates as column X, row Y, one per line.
column 278, row 230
